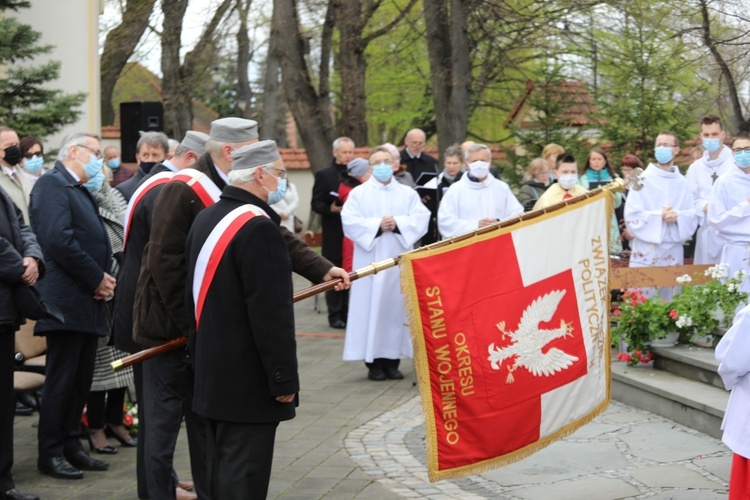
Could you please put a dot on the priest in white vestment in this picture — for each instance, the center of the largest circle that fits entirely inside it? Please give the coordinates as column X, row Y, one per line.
column 701, row 177
column 661, row 216
column 477, row 199
column 729, row 210
column 384, row 219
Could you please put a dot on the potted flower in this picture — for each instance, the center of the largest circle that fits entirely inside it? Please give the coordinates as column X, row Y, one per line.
column 701, row 309
column 641, row 322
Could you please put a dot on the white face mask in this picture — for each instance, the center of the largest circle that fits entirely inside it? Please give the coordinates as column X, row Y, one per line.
column 479, row 169
column 567, row 181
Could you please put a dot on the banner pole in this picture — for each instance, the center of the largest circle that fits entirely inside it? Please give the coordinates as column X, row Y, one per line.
column 376, row 267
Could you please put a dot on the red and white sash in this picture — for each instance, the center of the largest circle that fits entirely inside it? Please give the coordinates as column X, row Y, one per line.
column 200, row 183
column 143, row 189
column 213, row 250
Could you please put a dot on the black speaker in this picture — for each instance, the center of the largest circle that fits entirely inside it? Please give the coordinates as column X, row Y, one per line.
column 134, row 118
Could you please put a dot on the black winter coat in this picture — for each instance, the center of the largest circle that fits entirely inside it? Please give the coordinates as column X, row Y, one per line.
column 65, row 218
column 244, row 350
column 326, row 182
column 16, row 242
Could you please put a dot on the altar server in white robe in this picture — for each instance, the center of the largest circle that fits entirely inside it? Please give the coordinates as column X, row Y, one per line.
column 384, row 219
column 477, row 199
column 701, row 177
column 729, row 210
column 661, row 216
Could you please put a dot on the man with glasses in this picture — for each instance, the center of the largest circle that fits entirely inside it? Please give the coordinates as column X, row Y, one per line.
column 16, row 185
column 729, row 210
column 661, row 216
column 701, row 177
column 76, row 247
column 243, row 326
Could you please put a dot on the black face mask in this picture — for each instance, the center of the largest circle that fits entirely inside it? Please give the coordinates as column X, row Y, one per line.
column 146, row 166
column 12, row 155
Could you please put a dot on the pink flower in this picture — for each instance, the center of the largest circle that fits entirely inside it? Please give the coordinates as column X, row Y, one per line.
column 673, row 314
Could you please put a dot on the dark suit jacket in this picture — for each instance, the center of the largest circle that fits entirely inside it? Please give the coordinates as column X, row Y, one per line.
column 327, row 181
column 128, row 187
column 415, row 166
column 76, row 248
column 127, row 278
column 244, row 351
column 16, row 242
column 163, row 267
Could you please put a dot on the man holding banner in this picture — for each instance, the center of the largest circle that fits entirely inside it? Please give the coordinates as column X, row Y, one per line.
column 242, row 339
column 384, row 219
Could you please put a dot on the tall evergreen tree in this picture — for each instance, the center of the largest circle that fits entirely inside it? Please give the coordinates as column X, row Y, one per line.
column 26, row 103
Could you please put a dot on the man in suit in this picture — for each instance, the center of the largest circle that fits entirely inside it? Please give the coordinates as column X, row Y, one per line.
column 21, row 264
column 140, row 212
column 329, row 207
column 243, row 327
column 12, row 181
column 418, row 162
column 151, row 150
column 76, row 248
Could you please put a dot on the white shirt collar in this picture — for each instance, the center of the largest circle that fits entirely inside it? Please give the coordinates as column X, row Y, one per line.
column 9, row 170
column 171, row 167
column 411, row 155
column 75, row 176
column 224, row 176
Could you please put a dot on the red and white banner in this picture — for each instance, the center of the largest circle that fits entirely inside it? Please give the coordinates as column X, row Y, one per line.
column 511, row 337
column 143, row 189
column 200, row 183
column 213, row 250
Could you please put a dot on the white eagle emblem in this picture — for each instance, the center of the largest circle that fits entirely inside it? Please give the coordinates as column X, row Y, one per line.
column 529, row 340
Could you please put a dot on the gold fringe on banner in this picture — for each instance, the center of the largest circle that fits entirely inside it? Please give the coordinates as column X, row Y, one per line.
column 411, row 303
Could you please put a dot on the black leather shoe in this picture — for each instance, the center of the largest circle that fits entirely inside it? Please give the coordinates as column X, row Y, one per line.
column 22, row 410
column 376, row 373
column 58, row 467
column 14, row 494
column 131, row 443
column 83, row 461
column 28, row 400
column 393, row 373
column 337, row 323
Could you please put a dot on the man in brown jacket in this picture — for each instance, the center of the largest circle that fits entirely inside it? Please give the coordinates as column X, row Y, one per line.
column 160, row 313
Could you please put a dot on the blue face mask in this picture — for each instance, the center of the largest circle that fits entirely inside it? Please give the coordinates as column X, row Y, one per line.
column 33, row 164
column 95, row 183
column 742, row 159
column 278, row 195
column 114, row 163
column 93, row 166
column 663, row 154
column 711, row 145
column 382, row 172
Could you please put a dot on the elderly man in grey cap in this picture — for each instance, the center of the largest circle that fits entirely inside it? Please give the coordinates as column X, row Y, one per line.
column 244, row 324
column 139, row 215
column 162, row 285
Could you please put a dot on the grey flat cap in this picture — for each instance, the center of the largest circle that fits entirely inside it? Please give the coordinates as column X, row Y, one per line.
column 358, row 167
column 233, row 130
column 195, row 141
column 255, row 155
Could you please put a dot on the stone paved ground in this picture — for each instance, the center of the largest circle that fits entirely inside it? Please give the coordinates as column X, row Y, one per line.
column 353, row 438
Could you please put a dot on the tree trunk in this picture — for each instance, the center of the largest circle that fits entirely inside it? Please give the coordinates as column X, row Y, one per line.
column 352, row 69
column 244, row 93
column 740, row 122
column 177, row 105
column 314, row 126
column 450, row 68
column 118, row 47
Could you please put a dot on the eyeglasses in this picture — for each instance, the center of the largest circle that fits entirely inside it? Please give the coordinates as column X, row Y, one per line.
column 740, row 150
column 282, row 175
column 29, row 156
column 95, row 152
column 662, row 145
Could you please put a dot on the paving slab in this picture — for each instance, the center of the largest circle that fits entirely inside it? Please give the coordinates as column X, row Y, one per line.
column 672, row 476
column 668, row 442
column 595, row 488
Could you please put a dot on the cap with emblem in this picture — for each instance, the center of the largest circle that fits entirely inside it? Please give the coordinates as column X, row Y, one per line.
column 195, row 141
column 233, row 130
column 255, row 155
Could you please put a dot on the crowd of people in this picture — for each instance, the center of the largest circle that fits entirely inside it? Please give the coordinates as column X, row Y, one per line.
column 199, row 242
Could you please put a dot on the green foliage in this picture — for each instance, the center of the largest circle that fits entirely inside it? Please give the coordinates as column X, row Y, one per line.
column 26, row 103
column 639, row 321
column 648, row 80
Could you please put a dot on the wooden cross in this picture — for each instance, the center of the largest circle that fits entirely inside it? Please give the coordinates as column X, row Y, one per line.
column 714, row 176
